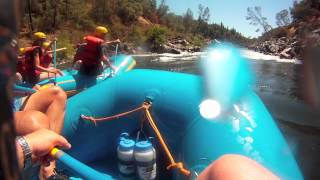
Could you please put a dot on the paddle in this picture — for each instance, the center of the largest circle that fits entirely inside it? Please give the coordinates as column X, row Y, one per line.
column 83, row 170
column 116, row 51
column 113, row 71
column 23, row 90
column 55, row 59
column 57, row 50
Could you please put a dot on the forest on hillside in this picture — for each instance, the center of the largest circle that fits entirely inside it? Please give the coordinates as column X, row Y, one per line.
column 136, row 22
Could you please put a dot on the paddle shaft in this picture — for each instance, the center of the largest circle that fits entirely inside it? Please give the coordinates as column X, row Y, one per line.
column 116, row 51
column 55, row 59
column 83, row 170
column 57, row 50
column 23, row 90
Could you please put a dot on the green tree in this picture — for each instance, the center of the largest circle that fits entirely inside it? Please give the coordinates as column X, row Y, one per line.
column 203, row 18
column 282, row 18
column 188, row 20
column 156, row 36
column 103, row 10
column 304, row 8
column 162, row 10
column 255, row 17
column 204, row 14
column 149, row 9
column 130, row 10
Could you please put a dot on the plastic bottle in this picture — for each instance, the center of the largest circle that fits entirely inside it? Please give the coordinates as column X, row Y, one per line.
column 145, row 160
column 125, row 153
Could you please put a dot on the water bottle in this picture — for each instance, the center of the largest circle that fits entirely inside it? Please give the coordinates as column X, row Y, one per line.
column 145, row 160
column 125, row 155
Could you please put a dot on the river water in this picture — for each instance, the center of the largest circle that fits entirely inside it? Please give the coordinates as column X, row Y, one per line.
column 278, row 84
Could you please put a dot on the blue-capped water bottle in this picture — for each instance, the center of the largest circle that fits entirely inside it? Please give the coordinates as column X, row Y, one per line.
column 145, row 160
column 125, row 155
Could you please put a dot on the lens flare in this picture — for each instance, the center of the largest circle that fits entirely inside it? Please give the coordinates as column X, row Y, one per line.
column 210, row 109
column 219, row 54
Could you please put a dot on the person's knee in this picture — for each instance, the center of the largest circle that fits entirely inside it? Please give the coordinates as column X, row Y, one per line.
column 219, row 168
column 232, row 166
column 58, row 93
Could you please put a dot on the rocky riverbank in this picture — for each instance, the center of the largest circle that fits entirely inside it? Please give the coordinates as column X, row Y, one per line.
column 176, row 45
column 284, row 47
column 289, row 42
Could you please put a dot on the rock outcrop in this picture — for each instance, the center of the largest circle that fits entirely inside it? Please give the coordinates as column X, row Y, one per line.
column 289, row 42
column 178, row 45
column 284, row 47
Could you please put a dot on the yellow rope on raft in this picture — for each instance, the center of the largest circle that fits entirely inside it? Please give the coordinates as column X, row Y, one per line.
column 94, row 120
column 173, row 163
column 146, row 106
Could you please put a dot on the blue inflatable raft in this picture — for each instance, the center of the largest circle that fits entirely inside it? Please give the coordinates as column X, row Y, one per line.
column 247, row 128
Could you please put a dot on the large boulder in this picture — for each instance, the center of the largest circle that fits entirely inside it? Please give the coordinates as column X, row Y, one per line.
column 169, row 49
column 286, row 53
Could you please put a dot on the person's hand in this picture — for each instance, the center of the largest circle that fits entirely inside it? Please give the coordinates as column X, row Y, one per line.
column 57, row 71
column 42, row 141
column 37, row 87
column 117, row 41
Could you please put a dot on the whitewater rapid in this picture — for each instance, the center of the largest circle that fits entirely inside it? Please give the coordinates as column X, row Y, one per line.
column 187, row 56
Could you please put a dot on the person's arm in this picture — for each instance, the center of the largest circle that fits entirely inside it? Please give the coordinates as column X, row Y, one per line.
column 43, row 69
column 41, row 142
column 105, row 58
column 38, row 66
column 113, row 41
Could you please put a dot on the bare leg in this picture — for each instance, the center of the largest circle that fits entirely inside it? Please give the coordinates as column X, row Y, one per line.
column 51, row 102
column 29, row 121
column 236, row 167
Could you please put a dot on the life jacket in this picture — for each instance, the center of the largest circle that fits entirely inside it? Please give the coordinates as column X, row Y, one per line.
column 46, row 60
column 21, row 65
column 89, row 53
column 29, row 62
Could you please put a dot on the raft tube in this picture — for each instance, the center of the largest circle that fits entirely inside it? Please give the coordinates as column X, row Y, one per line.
column 247, row 128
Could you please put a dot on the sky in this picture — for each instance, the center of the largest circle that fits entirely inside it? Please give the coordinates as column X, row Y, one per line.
column 232, row 13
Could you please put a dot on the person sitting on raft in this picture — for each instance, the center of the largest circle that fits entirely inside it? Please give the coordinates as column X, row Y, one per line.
column 34, row 57
column 47, row 58
column 91, row 53
column 44, row 109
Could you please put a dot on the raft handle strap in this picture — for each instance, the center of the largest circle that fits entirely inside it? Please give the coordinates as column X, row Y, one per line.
column 117, row 116
column 173, row 163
